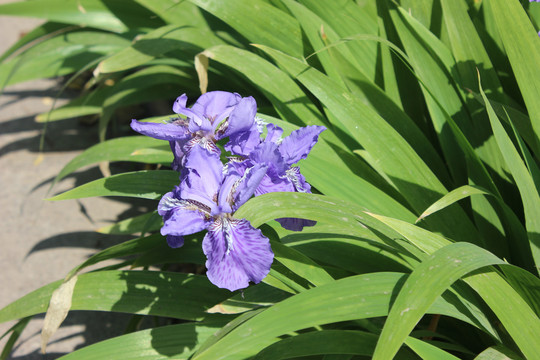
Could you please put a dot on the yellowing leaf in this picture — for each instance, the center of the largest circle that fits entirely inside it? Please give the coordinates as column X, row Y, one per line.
column 57, row 311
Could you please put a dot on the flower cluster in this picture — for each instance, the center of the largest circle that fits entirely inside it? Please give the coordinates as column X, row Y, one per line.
column 210, row 192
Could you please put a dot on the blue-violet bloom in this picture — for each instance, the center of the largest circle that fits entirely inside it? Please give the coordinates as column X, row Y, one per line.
column 208, row 195
column 279, row 155
column 214, row 116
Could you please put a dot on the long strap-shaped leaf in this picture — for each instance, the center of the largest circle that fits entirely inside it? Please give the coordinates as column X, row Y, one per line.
column 177, row 295
column 176, row 341
column 523, row 179
column 356, row 297
column 93, row 13
column 523, row 48
column 284, row 34
column 430, row 279
column 323, row 342
column 118, row 149
column 141, row 184
column 515, row 314
column 395, row 156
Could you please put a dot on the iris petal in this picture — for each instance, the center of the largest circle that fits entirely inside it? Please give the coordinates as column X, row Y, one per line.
column 244, row 142
column 179, row 107
column 216, row 105
column 185, row 219
column 295, row 224
column 203, row 177
column 298, row 144
column 175, row 241
column 237, row 253
column 241, row 118
column 162, row 131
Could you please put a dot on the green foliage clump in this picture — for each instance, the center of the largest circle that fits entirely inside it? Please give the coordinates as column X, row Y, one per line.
column 427, row 179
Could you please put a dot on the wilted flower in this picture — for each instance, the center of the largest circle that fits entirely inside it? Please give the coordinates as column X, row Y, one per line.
column 208, row 195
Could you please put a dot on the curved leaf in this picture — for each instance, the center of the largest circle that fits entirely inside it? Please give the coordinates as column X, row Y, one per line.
column 118, row 149
column 173, row 341
column 356, row 297
column 427, row 281
column 140, row 184
column 450, row 198
column 177, row 295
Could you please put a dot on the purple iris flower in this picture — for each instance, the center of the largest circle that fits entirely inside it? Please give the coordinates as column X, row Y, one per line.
column 279, row 155
column 208, row 195
column 215, row 116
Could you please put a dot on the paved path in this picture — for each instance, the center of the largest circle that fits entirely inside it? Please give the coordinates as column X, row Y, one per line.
column 41, row 241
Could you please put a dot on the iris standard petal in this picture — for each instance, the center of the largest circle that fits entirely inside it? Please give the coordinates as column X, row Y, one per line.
column 240, row 120
column 236, row 254
column 273, row 133
column 179, row 107
column 244, row 142
column 245, row 187
column 298, row 144
column 268, row 153
column 216, row 105
column 200, row 124
column 162, row 131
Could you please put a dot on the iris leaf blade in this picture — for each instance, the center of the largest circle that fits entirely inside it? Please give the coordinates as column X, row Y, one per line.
column 427, row 281
column 147, row 184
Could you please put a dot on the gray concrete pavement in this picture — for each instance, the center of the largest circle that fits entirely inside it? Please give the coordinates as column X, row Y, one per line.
column 41, row 241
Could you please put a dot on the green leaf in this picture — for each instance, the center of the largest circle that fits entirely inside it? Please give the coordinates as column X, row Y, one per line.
column 331, row 172
column 127, row 248
column 468, row 50
column 524, row 181
column 452, row 197
column 347, row 19
column 285, row 34
column 300, row 264
column 520, row 41
column 152, row 83
column 409, row 173
column 60, row 55
column 329, row 244
column 177, row 295
column 148, row 222
column 427, row 281
column 93, row 13
column 514, row 313
column 16, row 331
column 157, row 43
column 323, row 342
column 38, row 34
column 119, row 149
column 173, row 341
column 141, row 184
column 356, row 297
column 336, row 59
column 257, row 296
column 498, row 352
column 428, row 351
column 433, row 75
